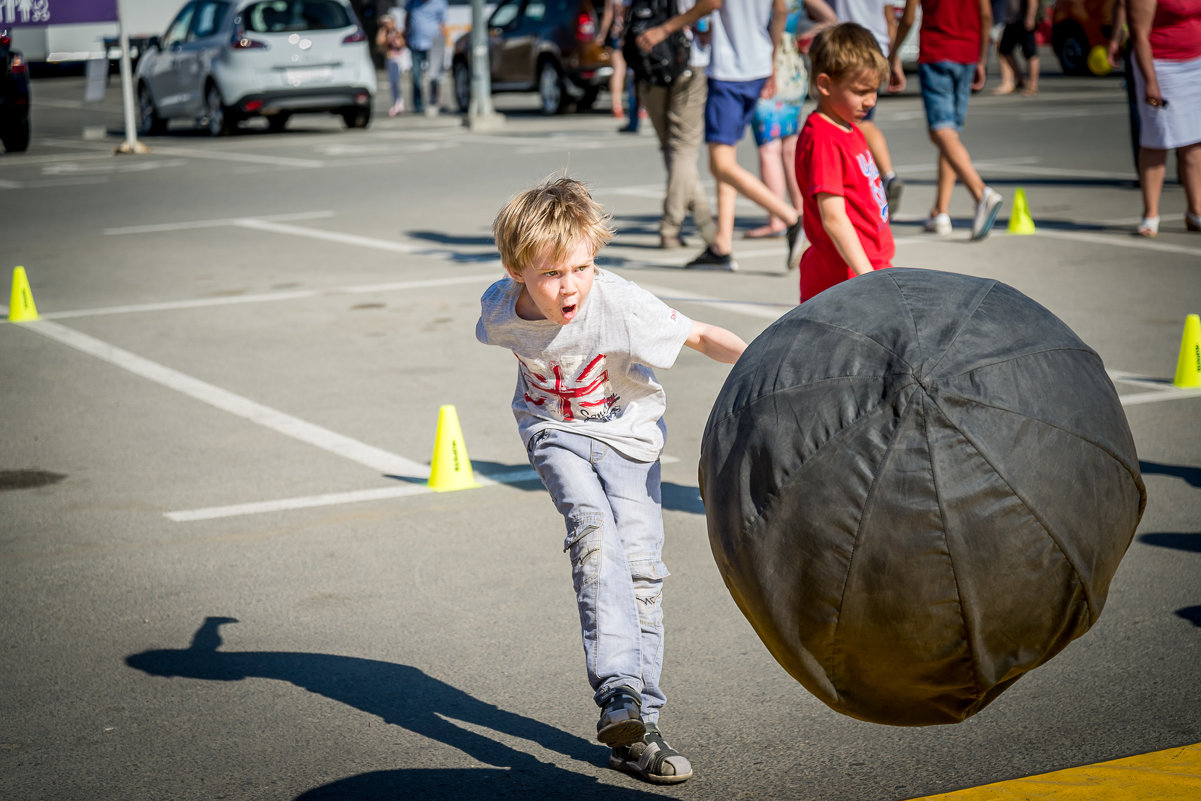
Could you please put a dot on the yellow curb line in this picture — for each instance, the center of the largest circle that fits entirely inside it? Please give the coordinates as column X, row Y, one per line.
column 1170, row 775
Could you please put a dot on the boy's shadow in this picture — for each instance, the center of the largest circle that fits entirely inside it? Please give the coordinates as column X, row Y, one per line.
column 404, row 696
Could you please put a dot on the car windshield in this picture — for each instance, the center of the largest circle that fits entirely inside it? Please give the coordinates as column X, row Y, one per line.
column 276, row 16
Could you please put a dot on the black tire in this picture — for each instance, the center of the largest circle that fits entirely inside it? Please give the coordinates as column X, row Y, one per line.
column 461, row 74
column 218, row 119
column 1071, row 48
column 358, row 117
column 149, row 122
column 552, row 89
column 277, row 122
column 16, row 135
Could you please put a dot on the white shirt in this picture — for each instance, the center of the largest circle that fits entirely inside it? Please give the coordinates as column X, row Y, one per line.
column 741, row 48
column 869, row 14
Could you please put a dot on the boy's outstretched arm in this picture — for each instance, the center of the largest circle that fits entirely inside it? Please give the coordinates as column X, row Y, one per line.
column 715, row 342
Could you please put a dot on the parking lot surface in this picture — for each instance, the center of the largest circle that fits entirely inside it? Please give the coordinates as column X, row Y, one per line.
column 223, row 574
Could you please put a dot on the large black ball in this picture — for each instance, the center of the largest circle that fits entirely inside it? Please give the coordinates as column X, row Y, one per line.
column 918, row 486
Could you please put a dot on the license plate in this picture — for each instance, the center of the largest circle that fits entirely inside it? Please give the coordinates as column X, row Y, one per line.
column 302, row 75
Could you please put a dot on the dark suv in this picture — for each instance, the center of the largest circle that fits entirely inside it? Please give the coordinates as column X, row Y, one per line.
column 14, row 97
column 543, row 46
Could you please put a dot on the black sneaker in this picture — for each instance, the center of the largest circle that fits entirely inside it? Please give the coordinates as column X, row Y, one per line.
column 796, row 244
column 710, row 259
column 893, row 187
column 621, row 717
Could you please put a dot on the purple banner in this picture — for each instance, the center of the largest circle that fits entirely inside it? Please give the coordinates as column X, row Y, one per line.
column 17, row 13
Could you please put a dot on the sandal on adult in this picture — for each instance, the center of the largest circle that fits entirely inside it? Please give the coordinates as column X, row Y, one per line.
column 652, row 759
column 1192, row 222
column 1149, row 227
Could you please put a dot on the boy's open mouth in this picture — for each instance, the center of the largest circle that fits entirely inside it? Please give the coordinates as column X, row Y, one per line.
column 569, row 311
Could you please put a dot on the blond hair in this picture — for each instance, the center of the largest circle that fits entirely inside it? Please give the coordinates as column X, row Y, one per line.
column 846, row 49
column 548, row 221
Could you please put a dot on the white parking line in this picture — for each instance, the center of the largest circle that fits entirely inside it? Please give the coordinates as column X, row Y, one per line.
column 1121, row 241
column 286, row 424
column 217, row 223
column 257, row 159
column 271, row 297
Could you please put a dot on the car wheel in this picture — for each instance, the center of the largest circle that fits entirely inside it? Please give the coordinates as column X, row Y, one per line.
column 359, row 117
column 16, row 135
column 1071, row 48
column 552, row 89
column 217, row 117
column 277, row 122
column 149, row 122
column 462, row 82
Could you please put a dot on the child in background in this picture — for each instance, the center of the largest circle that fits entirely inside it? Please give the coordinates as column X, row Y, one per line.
column 845, row 206
column 590, row 413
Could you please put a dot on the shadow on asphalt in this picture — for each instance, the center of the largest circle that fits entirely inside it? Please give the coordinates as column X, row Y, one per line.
column 1192, row 475
column 403, row 696
column 1192, row 614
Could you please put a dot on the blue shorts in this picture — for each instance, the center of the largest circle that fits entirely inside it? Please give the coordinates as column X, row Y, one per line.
column 946, row 87
column 729, row 109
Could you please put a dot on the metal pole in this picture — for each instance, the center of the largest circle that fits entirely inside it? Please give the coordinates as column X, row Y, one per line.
column 480, row 114
column 131, row 143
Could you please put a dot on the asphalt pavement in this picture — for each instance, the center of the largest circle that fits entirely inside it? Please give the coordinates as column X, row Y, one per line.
column 223, row 574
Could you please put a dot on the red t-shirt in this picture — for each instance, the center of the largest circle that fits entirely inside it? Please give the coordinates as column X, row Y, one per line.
column 1176, row 30
column 836, row 161
column 950, row 32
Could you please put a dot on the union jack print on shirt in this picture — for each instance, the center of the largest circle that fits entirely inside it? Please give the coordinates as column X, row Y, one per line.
column 575, row 388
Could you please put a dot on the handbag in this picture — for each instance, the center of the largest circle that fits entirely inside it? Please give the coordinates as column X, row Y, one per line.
column 792, row 74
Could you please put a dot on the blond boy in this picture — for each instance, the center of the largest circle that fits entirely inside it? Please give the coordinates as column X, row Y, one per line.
column 590, row 413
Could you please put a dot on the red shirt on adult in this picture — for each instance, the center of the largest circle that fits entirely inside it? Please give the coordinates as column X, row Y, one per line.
column 1176, row 30
column 833, row 160
column 950, row 32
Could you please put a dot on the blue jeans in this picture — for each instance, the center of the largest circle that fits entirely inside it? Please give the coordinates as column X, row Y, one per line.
column 421, row 60
column 946, row 87
column 613, row 510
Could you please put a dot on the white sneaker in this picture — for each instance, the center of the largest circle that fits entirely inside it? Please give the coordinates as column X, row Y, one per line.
column 938, row 224
column 986, row 213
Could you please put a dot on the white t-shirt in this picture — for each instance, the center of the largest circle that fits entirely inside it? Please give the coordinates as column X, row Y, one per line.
column 698, row 57
column 593, row 376
column 869, row 14
column 741, row 49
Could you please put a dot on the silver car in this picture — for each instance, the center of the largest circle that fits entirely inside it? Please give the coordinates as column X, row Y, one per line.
column 223, row 61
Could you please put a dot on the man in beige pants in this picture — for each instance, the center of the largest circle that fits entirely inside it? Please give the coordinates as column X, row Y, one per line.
column 677, row 112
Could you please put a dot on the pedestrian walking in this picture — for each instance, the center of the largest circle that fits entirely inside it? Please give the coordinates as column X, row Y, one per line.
column 952, row 54
column 745, row 37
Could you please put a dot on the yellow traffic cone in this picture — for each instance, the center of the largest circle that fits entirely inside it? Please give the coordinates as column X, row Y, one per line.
column 1188, row 366
column 450, row 468
column 20, row 307
column 1019, row 218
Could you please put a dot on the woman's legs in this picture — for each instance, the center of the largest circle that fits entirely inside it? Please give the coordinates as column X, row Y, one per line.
column 1152, row 165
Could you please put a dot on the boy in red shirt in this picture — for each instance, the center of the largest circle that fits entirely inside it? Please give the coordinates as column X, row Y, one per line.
column 845, row 207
